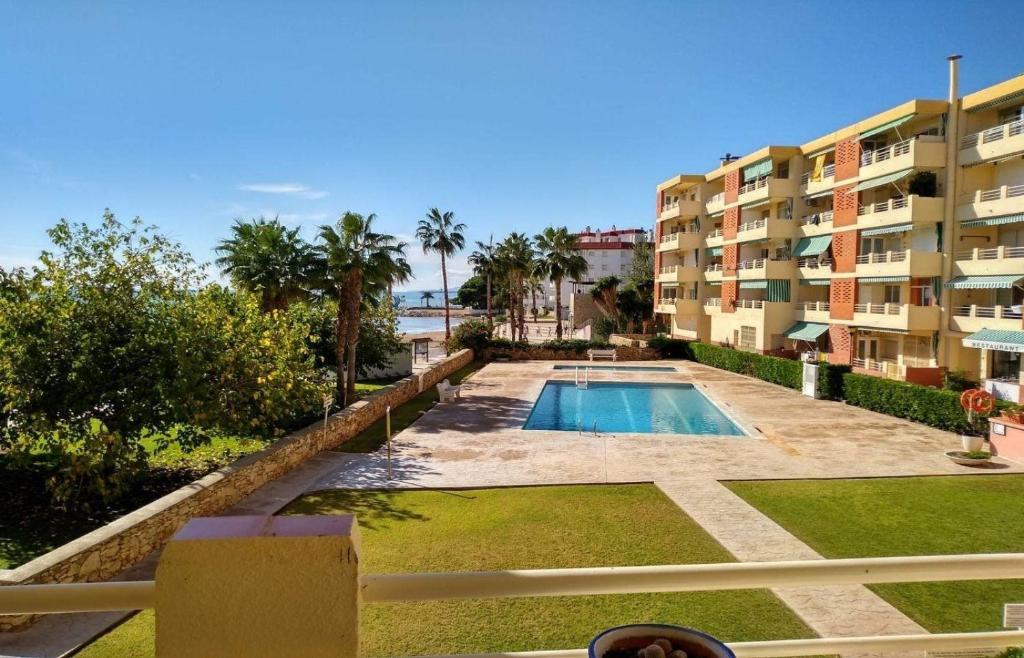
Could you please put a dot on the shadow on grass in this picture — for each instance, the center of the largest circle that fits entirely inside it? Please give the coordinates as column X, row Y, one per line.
column 371, row 507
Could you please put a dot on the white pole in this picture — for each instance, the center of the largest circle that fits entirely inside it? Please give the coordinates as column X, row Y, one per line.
column 387, row 429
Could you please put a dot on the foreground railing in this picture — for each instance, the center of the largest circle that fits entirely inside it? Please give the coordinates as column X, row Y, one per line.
column 995, row 134
column 120, row 596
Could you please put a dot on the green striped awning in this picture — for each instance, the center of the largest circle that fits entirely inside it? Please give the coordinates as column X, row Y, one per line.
column 824, row 151
column 754, row 285
column 897, row 228
column 993, row 221
column 815, row 282
column 806, row 331
column 872, row 183
column 818, row 195
column 991, row 282
column 880, row 330
column 754, row 204
column 886, row 126
column 813, row 246
column 715, row 251
column 757, row 170
column 1006, row 340
column 1009, row 99
column 883, row 279
column 778, row 290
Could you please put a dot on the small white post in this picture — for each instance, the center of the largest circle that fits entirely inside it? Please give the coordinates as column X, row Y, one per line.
column 387, row 430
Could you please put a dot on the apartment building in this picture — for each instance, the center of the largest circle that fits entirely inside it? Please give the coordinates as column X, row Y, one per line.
column 608, row 253
column 894, row 245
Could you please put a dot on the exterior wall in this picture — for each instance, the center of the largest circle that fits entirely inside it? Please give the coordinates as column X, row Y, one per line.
column 729, row 294
column 844, row 205
column 107, row 551
column 844, row 252
column 730, row 223
column 732, row 186
column 842, row 298
column 847, row 158
column 842, row 345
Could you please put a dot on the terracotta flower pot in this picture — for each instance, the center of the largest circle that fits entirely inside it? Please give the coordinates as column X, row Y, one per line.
column 637, row 636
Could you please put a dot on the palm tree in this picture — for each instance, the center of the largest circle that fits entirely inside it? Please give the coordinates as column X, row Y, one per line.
column 355, row 261
column 440, row 234
column 268, row 259
column 484, row 261
column 558, row 258
column 515, row 254
column 426, row 297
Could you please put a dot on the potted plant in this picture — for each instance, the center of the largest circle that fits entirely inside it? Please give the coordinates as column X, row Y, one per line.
column 970, row 457
column 656, row 641
column 975, row 401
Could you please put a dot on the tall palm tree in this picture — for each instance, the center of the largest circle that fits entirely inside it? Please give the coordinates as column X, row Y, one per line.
column 516, row 259
column 558, row 258
column 268, row 259
column 440, row 234
column 355, row 261
column 484, row 261
column 426, row 297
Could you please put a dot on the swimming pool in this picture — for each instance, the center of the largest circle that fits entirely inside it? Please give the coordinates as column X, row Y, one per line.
column 618, row 368
column 628, row 407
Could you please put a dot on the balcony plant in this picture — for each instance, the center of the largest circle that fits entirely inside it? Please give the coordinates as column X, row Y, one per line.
column 923, row 183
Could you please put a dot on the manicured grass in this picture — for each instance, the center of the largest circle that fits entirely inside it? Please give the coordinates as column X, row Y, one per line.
column 909, row 516
column 375, row 435
column 522, row 528
column 368, row 386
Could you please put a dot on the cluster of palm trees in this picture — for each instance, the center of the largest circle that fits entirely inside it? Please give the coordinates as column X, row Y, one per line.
column 516, row 266
column 350, row 263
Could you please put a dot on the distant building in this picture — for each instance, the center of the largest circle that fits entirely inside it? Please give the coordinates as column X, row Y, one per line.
column 608, row 253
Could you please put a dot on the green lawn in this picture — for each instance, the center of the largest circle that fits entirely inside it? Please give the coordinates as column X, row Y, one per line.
column 909, row 516
column 536, row 527
column 375, row 435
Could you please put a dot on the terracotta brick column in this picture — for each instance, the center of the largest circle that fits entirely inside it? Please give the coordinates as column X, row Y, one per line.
column 729, row 294
column 844, row 252
column 842, row 345
column 732, row 185
column 731, row 223
column 847, row 158
column 842, row 296
column 844, row 206
column 730, row 258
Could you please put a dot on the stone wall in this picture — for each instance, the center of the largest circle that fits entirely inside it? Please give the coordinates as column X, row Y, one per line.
column 107, row 551
column 623, row 353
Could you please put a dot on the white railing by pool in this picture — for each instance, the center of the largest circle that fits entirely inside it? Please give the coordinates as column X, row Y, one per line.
column 883, row 206
column 828, row 171
column 94, row 597
column 883, row 257
column 986, row 312
column 990, row 253
column 995, row 134
column 391, row 588
column 817, row 218
column 996, row 194
column 813, row 306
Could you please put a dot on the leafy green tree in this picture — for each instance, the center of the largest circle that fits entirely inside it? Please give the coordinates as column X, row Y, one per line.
column 426, row 297
column 441, row 234
column 473, row 293
column 515, row 259
column 641, row 268
column 355, row 261
column 558, row 258
column 484, row 261
column 269, row 259
column 379, row 340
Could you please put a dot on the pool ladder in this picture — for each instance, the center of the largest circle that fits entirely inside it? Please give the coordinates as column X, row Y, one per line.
column 585, row 382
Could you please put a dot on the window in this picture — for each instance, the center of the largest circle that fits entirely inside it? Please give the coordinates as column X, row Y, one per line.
column 783, row 170
column 1012, row 114
column 892, row 294
column 921, row 292
column 748, row 337
column 1005, row 365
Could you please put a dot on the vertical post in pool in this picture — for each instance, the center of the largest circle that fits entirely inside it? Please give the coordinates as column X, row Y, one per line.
column 387, row 430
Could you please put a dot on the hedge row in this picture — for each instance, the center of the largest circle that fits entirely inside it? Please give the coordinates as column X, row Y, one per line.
column 931, row 406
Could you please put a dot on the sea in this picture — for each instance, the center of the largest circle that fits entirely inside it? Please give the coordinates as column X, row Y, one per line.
column 413, row 299
column 407, row 325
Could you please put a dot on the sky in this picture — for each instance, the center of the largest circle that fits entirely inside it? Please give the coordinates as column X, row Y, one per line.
column 514, row 115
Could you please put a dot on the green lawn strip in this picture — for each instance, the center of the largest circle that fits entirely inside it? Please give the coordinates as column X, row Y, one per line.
column 402, row 416
column 522, row 528
column 909, row 516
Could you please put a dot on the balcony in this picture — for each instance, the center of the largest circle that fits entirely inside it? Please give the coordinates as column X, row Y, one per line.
column 666, row 305
column 991, row 144
column 984, row 204
column 766, row 188
column 713, row 272
column 714, row 238
column 907, row 262
column 828, row 180
column 975, row 318
column 815, row 224
column 715, row 203
column 684, row 239
column 764, row 229
column 712, row 305
column 678, row 273
column 880, row 368
column 896, row 316
column 764, row 268
column 988, row 261
column 813, row 311
column 814, row 267
column 926, row 151
column 679, row 209
column 904, row 210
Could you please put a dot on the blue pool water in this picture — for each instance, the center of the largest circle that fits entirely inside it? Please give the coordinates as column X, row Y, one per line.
column 628, row 407
column 619, row 368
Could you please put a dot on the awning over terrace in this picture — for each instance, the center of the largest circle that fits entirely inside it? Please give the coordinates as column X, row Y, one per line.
column 872, row 183
column 996, row 339
column 883, row 230
column 993, row 221
column 883, row 279
column 806, row 331
column 813, row 246
column 992, row 282
column 886, row 126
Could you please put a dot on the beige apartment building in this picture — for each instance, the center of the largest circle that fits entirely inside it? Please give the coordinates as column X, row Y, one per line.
column 894, row 245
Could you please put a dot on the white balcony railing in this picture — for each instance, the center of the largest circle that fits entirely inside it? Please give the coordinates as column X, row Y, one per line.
column 814, row 263
column 813, row 306
column 755, row 185
column 886, row 153
column 751, row 264
column 996, row 194
column 667, row 301
column 750, row 303
column 713, row 267
column 668, row 269
column 879, row 309
column 716, row 199
column 883, row 206
column 883, row 257
column 713, row 301
column 823, row 217
column 829, row 171
column 873, row 364
column 716, row 233
column 392, row 588
column 751, row 226
column 993, row 134
column 988, row 312
column 990, row 253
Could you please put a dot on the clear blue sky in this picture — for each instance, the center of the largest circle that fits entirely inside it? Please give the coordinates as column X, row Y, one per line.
column 513, row 114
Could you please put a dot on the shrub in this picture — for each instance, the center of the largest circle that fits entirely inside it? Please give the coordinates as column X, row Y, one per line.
column 671, row 348
column 471, row 334
column 957, row 380
column 930, row 406
column 768, row 368
column 578, row 346
column 602, row 328
column 506, row 344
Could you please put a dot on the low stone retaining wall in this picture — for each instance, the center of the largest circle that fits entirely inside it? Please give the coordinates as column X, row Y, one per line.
column 623, row 353
column 107, row 551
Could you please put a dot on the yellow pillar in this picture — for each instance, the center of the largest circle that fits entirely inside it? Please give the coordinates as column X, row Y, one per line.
column 260, row 586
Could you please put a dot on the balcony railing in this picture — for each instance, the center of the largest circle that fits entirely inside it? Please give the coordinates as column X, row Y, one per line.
column 829, row 171
column 393, row 588
column 993, row 134
column 879, row 309
column 713, row 301
column 883, row 257
column 667, row 301
column 817, row 218
column 987, row 312
column 668, row 269
column 716, row 233
column 754, row 185
column 682, row 230
column 883, row 206
column 813, row 306
column 1004, row 192
column 886, row 153
column 873, row 364
column 990, row 253
column 751, row 264
column 751, row 226
column 716, row 199
column 749, row 303
column 713, row 267
column 814, row 263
